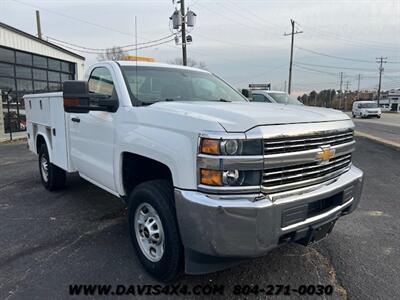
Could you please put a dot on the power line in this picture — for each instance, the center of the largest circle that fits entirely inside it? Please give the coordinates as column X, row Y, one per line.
column 102, row 52
column 314, row 70
column 325, row 33
column 334, row 56
column 105, row 49
column 335, row 67
column 241, row 15
column 261, row 74
column 72, row 18
column 355, row 41
column 235, row 21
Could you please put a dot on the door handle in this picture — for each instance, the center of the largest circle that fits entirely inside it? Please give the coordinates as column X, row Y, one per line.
column 76, row 120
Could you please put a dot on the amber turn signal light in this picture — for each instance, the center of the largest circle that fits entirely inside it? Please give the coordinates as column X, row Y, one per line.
column 210, row 177
column 209, row 146
column 71, row 101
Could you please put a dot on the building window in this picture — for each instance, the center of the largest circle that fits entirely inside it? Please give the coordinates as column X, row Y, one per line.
column 39, row 74
column 65, row 77
column 66, row 67
column 40, row 61
column 23, row 72
column 6, row 70
column 23, row 58
column 40, row 86
column 7, row 55
column 7, row 84
column 24, row 85
column 54, row 86
column 53, row 76
column 54, row 64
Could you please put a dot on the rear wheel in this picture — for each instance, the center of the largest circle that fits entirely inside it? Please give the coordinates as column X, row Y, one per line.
column 154, row 229
column 53, row 177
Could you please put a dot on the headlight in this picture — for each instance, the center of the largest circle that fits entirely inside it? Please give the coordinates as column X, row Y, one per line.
column 230, row 177
column 231, row 147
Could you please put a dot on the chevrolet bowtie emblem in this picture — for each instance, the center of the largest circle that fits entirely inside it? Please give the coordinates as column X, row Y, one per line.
column 325, row 154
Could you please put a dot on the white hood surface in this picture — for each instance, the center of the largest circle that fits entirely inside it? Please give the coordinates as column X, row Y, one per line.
column 240, row 117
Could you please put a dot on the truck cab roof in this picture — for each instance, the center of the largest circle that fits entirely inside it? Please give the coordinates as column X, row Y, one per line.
column 156, row 65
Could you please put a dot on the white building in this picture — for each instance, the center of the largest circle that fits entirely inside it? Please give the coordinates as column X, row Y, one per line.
column 30, row 65
column 392, row 100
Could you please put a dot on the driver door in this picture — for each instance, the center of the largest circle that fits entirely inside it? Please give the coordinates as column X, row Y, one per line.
column 92, row 134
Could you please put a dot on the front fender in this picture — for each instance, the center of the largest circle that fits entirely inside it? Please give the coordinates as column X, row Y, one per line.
column 176, row 150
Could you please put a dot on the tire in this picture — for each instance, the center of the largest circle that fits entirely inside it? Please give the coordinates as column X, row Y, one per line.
column 53, row 178
column 156, row 195
column 378, row 117
column 353, row 115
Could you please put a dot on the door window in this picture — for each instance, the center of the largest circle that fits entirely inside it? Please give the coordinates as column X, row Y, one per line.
column 101, row 82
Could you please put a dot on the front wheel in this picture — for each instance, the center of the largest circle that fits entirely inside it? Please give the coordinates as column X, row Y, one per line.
column 53, row 177
column 378, row 117
column 154, row 229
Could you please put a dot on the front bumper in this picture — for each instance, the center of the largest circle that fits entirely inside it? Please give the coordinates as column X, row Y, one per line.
column 239, row 227
column 371, row 114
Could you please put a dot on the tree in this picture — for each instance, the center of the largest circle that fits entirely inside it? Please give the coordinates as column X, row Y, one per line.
column 190, row 63
column 114, row 53
column 304, row 99
column 326, row 97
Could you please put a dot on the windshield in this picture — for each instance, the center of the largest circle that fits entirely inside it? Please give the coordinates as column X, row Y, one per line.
column 368, row 105
column 150, row 84
column 284, row 98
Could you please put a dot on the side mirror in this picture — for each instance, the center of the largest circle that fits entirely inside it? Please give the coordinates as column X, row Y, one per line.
column 77, row 98
column 247, row 93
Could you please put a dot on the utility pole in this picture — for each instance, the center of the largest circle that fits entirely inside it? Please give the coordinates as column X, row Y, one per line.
column 345, row 95
column 39, row 29
column 183, row 24
column 380, row 60
column 347, row 85
column 291, row 53
column 341, row 91
column 285, row 86
column 358, row 87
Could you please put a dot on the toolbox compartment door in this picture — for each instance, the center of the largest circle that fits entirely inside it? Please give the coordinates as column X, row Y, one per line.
column 58, row 133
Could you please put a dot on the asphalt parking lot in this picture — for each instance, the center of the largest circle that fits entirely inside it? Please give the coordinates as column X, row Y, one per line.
column 79, row 236
column 386, row 129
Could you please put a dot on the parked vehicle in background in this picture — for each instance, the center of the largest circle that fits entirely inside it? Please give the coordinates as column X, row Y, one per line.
column 365, row 109
column 209, row 178
column 268, row 96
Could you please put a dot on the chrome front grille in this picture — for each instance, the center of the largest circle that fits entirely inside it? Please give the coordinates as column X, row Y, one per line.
column 295, row 162
column 287, row 145
column 291, row 177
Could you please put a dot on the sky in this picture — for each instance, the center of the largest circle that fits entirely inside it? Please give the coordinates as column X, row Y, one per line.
column 241, row 41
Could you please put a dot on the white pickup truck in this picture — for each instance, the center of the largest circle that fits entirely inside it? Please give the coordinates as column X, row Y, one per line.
column 210, row 179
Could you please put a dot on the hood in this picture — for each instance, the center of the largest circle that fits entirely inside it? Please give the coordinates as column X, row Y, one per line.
column 240, row 117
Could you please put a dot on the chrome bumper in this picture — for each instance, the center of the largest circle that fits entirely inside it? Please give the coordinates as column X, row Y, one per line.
column 237, row 226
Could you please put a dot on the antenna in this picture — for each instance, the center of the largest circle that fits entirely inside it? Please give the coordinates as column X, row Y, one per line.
column 136, row 52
